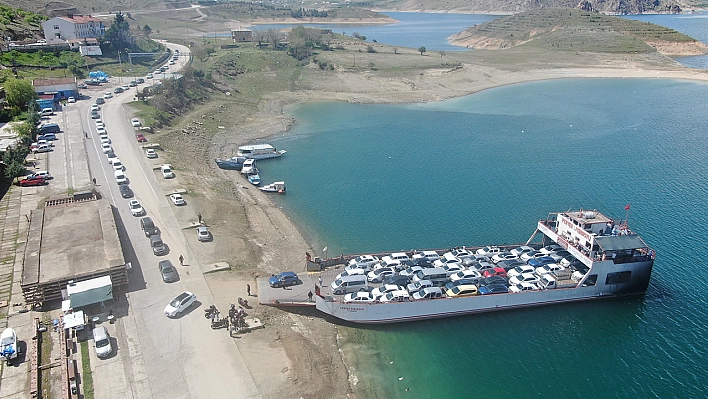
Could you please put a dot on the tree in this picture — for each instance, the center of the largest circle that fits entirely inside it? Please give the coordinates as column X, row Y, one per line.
column 20, row 93
column 421, row 49
column 147, row 30
column 117, row 36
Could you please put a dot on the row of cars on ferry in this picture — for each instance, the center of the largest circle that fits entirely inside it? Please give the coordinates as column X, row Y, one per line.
column 456, row 273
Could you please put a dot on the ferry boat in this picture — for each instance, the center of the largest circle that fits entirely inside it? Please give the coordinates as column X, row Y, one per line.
column 259, row 151
column 617, row 262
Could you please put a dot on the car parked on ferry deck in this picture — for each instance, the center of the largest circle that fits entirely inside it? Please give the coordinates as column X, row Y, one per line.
column 538, row 262
column 518, row 270
column 376, row 276
column 428, row 293
column 550, row 268
column 359, row 297
column 548, row 249
column 396, row 296
column 411, row 270
column 497, row 271
column 503, row 256
column 384, row 289
column 418, row 285
column 397, row 279
column 462, row 291
column 453, row 268
column 527, row 277
column 493, row 289
column 510, row 264
column 560, row 254
column 429, row 255
column 489, row 251
column 352, row 272
column 465, row 274
column 518, row 251
column 462, row 281
column 523, row 286
column 493, row 280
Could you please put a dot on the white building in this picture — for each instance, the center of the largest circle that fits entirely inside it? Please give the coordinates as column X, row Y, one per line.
column 60, row 29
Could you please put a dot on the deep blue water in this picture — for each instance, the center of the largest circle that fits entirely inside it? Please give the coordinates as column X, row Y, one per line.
column 413, row 29
column 482, row 170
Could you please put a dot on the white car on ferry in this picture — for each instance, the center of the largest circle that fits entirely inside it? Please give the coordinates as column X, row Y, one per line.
column 352, row 272
column 489, row 251
column 429, row 255
column 446, row 259
column 386, row 261
column 385, row 289
column 376, row 276
column 363, row 260
column 359, row 297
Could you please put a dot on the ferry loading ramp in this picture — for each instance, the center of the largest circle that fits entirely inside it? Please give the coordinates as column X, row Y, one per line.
column 71, row 238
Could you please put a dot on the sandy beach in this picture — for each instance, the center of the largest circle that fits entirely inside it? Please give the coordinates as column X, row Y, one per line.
column 298, row 354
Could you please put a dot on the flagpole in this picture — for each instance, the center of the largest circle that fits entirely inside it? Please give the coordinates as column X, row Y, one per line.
column 626, row 215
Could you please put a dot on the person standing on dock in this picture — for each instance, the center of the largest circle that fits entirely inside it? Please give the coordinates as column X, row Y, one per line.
column 319, row 280
column 248, row 289
column 309, row 296
column 181, row 260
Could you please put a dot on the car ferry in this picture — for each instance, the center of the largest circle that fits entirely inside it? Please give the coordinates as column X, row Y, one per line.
column 610, row 260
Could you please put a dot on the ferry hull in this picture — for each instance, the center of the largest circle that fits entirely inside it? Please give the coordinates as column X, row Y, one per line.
column 376, row 313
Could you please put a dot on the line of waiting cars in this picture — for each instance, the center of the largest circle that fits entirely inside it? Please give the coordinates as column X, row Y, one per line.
column 457, row 273
column 45, row 143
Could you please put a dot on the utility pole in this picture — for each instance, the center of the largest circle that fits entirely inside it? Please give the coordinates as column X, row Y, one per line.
column 120, row 68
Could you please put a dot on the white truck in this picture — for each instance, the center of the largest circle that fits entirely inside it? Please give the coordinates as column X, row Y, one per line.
column 549, row 282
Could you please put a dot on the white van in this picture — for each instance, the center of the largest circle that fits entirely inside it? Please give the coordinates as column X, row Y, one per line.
column 349, row 284
column 437, row 275
column 46, row 112
column 400, row 256
column 167, row 171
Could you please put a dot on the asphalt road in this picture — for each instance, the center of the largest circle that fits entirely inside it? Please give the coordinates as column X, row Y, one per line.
column 156, row 356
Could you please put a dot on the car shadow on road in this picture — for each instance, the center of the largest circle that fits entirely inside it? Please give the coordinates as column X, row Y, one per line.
column 136, row 280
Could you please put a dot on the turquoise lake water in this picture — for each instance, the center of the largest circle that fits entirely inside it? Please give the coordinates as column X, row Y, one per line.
column 482, row 170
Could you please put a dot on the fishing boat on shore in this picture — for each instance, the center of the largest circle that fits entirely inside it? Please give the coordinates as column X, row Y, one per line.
column 602, row 258
column 276, row 187
column 233, row 163
column 259, row 151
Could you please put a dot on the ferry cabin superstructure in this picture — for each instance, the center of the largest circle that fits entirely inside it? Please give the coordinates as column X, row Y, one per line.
column 618, row 262
column 259, row 151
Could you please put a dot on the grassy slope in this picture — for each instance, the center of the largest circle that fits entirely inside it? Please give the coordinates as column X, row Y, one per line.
column 566, row 29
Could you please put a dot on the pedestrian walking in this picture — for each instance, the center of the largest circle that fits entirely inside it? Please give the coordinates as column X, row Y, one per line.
column 200, row 218
column 248, row 289
column 181, row 260
column 309, row 295
column 94, row 181
column 319, row 280
column 86, row 134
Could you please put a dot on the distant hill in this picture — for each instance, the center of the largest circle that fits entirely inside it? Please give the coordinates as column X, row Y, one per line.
column 515, row 6
column 576, row 30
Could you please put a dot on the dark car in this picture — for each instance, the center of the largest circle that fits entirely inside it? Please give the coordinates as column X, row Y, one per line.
column 397, row 280
column 492, row 280
column 125, row 191
column 538, row 262
column 148, row 226
column 283, row 279
column 493, row 289
column 168, row 272
column 422, row 262
column 32, row 181
column 140, row 81
column 510, row 264
column 118, row 90
column 49, row 128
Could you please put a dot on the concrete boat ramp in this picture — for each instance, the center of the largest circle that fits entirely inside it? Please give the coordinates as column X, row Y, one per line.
column 296, row 295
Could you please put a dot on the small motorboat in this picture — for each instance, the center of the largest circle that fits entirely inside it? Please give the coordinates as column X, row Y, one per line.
column 8, row 345
column 277, row 187
column 254, row 178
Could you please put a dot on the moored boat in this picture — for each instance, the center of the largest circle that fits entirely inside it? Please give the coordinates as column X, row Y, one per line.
column 606, row 259
column 259, row 151
column 254, row 178
column 276, row 187
column 249, row 166
column 233, row 163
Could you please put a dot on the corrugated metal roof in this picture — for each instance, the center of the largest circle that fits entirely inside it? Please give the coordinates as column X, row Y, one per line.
column 618, row 243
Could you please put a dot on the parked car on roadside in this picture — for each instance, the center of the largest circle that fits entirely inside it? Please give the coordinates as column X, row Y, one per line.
column 177, row 199
column 32, row 181
column 168, row 272
column 203, row 234
column 150, row 153
column 135, row 208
